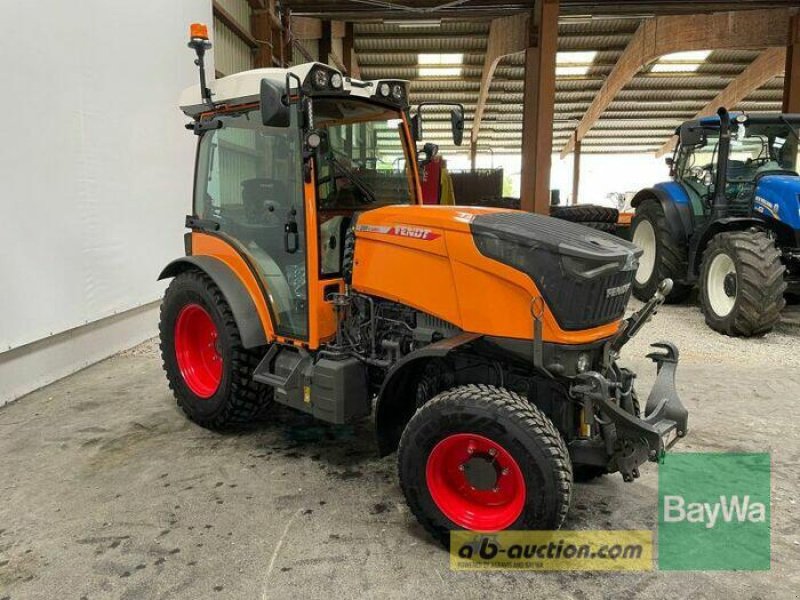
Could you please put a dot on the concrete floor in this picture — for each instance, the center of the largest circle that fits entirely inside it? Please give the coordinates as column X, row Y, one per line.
column 106, row 491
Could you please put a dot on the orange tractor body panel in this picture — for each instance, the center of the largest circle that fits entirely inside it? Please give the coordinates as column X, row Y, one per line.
column 204, row 244
column 426, row 257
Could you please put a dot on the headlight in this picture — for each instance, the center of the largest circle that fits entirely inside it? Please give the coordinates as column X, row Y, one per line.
column 384, row 90
column 584, row 363
column 320, row 79
column 336, row 81
column 397, row 92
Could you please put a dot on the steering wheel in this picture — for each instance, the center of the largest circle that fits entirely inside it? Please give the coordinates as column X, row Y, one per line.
column 698, row 172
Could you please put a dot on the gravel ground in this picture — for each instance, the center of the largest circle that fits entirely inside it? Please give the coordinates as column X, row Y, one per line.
column 685, row 326
column 107, row 491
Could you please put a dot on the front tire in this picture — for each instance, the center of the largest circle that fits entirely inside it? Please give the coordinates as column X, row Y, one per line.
column 662, row 256
column 479, row 457
column 208, row 369
column 742, row 283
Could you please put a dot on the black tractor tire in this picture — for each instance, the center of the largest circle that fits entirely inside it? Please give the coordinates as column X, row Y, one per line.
column 599, row 226
column 238, row 400
column 504, row 418
column 758, row 284
column 670, row 255
column 585, row 213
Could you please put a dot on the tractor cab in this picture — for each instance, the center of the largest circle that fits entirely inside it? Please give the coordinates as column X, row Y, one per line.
column 285, row 160
column 762, row 152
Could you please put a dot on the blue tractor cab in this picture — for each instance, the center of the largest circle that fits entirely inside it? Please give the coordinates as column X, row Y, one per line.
column 729, row 220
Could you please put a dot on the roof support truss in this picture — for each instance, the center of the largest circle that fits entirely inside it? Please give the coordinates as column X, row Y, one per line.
column 664, row 35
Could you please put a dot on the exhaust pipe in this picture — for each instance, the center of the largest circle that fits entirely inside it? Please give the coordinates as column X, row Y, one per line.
column 720, row 204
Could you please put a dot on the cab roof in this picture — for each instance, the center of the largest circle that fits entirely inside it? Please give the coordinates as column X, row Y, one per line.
column 244, row 87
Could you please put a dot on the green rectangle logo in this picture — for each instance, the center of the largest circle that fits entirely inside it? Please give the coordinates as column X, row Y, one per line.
column 714, row 512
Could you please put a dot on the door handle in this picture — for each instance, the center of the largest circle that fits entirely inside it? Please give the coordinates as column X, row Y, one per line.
column 291, row 237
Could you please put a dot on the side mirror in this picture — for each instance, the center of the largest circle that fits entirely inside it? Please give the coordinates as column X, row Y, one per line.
column 416, row 127
column 274, row 113
column 692, row 134
column 457, row 122
column 671, row 164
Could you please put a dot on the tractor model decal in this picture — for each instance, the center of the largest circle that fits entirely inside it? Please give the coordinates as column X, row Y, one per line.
column 417, row 233
column 765, row 206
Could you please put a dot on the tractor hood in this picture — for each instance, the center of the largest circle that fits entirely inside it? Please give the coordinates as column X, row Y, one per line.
column 777, row 196
column 440, row 258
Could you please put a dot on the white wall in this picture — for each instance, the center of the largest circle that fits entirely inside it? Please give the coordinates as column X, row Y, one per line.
column 95, row 165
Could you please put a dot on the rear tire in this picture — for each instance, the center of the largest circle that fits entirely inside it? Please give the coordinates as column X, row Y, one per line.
column 530, row 472
column 585, row 213
column 663, row 257
column 224, row 395
column 742, row 283
column 607, row 227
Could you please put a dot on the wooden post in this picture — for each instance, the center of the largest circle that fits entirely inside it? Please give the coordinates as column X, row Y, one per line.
column 348, row 48
column 791, row 81
column 473, row 153
column 261, row 27
column 538, row 107
column 576, row 169
column 326, row 42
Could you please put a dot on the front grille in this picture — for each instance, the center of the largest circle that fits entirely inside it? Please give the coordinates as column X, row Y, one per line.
column 585, row 304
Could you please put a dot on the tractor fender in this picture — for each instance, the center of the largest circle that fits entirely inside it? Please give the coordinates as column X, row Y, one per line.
column 677, row 214
column 396, row 403
column 719, row 226
column 235, row 294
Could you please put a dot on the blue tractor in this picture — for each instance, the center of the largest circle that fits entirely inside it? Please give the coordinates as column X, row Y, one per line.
column 728, row 221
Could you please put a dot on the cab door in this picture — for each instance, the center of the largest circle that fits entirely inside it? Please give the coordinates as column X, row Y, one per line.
column 250, row 186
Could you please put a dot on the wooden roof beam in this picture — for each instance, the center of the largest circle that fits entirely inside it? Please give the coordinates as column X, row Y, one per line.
column 507, row 35
column 665, row 35
column 770, row 63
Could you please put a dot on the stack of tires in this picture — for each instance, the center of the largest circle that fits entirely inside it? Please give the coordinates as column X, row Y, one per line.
column 589, row 215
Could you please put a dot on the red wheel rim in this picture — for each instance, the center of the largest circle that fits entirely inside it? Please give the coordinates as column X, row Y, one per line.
column 196, row 351
column 488, row 506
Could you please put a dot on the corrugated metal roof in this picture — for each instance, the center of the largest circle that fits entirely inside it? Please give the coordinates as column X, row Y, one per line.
column 642, row 116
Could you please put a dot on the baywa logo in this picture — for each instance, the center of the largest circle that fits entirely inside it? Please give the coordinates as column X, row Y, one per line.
column 714, row 512
column 730, row 509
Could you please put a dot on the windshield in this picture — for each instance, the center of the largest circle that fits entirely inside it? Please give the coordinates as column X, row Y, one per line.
column 754, row 150
column 362, row 159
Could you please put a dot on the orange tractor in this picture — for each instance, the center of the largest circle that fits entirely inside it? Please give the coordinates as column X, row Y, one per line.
column 484, row 341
